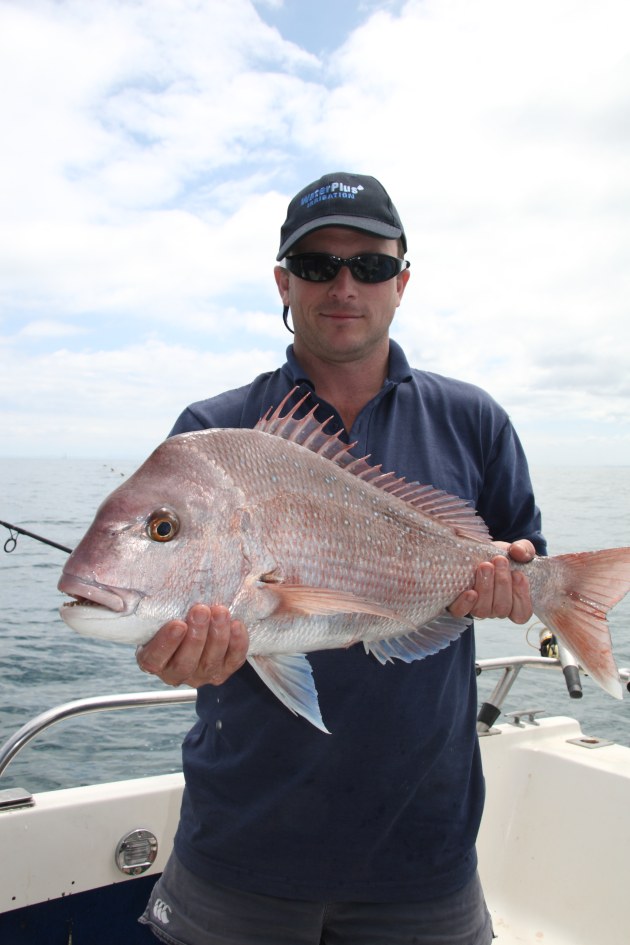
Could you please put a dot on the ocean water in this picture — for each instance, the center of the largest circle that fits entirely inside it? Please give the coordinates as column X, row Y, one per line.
column 43, row 663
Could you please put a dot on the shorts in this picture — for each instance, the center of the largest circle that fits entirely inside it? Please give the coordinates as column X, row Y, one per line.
column 186, row 910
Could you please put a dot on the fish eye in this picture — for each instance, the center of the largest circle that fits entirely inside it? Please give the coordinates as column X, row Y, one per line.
column 162, row 525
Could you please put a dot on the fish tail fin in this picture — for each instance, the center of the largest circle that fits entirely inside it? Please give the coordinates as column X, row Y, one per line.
column 582, row 589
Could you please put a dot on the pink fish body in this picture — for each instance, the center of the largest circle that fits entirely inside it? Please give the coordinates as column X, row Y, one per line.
column 312, row 549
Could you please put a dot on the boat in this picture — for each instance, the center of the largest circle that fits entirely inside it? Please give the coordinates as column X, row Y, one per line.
column 78, row 863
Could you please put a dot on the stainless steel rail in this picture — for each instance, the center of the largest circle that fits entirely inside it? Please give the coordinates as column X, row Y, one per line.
column 69, row 710
column 517, row 663
column 510, row 666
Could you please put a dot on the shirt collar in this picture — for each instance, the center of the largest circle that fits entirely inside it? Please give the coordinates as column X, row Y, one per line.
column 399, row 369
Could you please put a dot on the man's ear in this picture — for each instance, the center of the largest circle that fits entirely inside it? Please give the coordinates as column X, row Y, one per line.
column 282, row 281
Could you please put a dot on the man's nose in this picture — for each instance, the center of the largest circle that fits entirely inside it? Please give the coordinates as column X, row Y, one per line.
column 344, row 284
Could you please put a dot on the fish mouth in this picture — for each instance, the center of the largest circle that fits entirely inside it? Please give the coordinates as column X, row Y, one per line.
column 119, row 600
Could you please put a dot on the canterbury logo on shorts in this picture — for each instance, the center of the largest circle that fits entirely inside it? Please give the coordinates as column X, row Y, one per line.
column 161, row 911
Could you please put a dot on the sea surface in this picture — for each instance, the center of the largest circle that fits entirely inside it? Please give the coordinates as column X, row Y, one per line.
column 43, row 663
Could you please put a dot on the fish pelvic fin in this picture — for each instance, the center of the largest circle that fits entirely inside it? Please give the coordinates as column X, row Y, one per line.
column 310, row 433
column 290, row 678
column 421, row 642
column 591, row 583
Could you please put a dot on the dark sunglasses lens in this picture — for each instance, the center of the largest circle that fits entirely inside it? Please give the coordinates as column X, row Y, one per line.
column 374, row 267
column 314, row 267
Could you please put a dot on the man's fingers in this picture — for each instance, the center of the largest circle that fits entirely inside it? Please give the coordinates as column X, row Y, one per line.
column 223, row 656
column 497, row 589
column 500, row 591
column 185, row 660
column 173, row 653
column 463, row 605
column 207, row 648
column 522, row 550
column 238, row 646
column 521, row 599
column 153, row 656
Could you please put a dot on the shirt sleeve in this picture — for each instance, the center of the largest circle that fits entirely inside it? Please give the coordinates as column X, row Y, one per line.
column 187, row 422
column 507, row 502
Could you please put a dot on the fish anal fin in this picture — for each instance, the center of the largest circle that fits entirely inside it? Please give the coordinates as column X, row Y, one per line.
column 290, row 678
column 421, row 642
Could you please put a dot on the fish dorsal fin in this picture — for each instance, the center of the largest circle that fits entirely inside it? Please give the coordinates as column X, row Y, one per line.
column 309, row 432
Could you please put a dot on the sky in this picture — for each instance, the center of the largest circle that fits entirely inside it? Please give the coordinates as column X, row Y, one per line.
column 149, row 151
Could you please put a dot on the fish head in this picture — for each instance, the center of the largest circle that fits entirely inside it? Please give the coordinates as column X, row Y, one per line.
column 154, row 547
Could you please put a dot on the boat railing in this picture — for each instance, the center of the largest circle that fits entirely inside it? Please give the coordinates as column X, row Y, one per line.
column 70, row 710
column 509, row 667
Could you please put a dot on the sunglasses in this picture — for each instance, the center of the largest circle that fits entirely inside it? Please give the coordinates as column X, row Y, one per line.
column 323, row 267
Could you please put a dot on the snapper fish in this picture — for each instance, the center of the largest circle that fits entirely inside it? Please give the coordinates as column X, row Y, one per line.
column 312, row 549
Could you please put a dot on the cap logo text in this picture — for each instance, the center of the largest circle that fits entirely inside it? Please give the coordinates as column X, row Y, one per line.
column 335, row 189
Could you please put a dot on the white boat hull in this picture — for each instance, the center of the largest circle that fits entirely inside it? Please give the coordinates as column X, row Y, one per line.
column 553, row 845
column 555, row 838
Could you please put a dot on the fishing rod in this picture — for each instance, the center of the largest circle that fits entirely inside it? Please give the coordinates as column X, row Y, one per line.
column 15, row 530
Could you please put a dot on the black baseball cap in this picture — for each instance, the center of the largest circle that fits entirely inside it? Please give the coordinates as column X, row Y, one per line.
column 341, row 199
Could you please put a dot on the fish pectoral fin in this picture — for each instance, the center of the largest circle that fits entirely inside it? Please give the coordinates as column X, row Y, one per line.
column 290, row 678
column 421, row 642
column 305, row 600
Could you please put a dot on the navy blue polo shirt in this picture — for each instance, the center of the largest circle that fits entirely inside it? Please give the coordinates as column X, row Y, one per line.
column 387, row 807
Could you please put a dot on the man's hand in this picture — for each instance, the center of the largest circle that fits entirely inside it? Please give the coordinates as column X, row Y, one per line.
column 499, row 592
column 205, row 648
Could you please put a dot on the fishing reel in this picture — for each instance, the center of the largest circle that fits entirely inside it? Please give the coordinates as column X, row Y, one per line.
column 551, row 647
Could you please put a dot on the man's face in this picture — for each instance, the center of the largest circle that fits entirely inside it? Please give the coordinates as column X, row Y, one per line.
column 342, row 320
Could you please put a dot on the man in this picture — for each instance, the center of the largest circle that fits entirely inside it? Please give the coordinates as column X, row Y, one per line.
column 367, row 835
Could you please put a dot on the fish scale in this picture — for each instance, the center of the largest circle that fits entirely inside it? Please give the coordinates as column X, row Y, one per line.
column 312, row 548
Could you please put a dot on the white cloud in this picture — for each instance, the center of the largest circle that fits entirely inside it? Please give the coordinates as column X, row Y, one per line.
column 149, row 151
column 50, row 329
column 114, row 403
